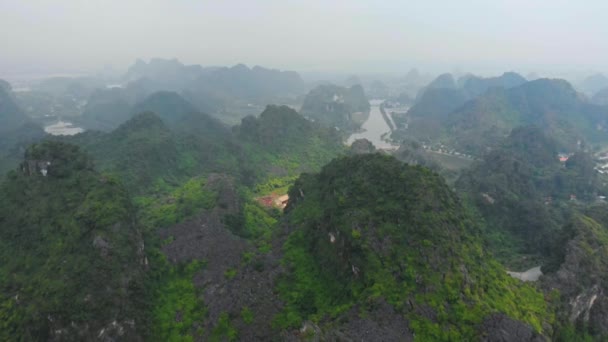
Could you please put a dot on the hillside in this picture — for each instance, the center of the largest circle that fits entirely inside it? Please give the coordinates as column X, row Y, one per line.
column 601, row 97
column 176, row 144
column 281, row 142
column 476, row 86
column 335, row 106
column 370, row 233
column 109, row 108
column 522, row 191
column 222, row 91
column 11, row 116
column 145, row 150
column 17, row 131
column 593, row 83
column 579, row 273
column 435, row 104
column 552, row 105
column 72, row 256
column 106, row 109
column 181, row 115
column 142, row 150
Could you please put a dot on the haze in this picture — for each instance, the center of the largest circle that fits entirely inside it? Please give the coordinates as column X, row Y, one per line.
column 479, row 35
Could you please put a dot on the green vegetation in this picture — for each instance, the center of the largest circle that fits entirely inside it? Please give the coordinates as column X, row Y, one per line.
column 280, row 143
column 16, row 131
column 230, row 92
column 82, row 244
column 11, row 116
column 167, row 208
column 334, row 106
column 524, row 193
column 475, row 117
column 278, row 185
column 70, row 259
column 176, row 303
column 247, row 315
column 230, row 273
column 224, row 331
column 145, row 151
column 370, row 227
column 434, row 105
column 552, row 105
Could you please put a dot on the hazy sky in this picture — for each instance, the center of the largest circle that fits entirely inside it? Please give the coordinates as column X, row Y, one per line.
column 348, row 35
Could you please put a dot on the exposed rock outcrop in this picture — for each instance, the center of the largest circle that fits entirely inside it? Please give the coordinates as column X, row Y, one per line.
column 581, row 278
column 500, row 328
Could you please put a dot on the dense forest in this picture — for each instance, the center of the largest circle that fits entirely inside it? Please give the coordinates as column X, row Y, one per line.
column 167, row 220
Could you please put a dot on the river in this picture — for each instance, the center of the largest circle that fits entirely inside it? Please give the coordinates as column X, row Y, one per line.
column 374, row 128
column 63, row 128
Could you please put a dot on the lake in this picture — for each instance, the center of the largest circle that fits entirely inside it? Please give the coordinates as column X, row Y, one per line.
column 63, row 128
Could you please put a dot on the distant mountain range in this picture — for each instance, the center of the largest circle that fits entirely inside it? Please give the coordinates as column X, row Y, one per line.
column 213, row 88
column 229, row 93
column 483, row 111
column 335, row 106
column 594, row 83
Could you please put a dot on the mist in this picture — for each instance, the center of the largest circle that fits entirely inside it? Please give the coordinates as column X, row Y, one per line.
column 345, row 36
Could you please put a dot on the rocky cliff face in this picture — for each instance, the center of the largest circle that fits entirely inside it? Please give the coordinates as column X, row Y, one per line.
column 501, row 328
column 35, row 167
column 582, row 277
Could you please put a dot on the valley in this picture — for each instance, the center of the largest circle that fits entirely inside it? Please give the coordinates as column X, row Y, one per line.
column 284, row 224
column 303, row 171
column 374, row 129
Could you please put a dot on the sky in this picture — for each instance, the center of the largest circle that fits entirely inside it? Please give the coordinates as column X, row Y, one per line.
column 482, row 36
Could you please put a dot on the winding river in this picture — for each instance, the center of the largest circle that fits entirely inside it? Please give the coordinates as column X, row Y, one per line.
column 374, row 128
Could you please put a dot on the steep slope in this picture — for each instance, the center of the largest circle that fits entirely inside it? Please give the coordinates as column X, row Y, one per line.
column 141, row 151
column 439, row 99
column 430, row 112
column 593, row 84
column 13, row 143
column 552, row 105
column 476, row 86
column 369, row 230
column 283, row 142
column 109, row 108
column 250, row 84
column 181, row 115
column 601, row 97
column 5, row 85
column 145, row 151
column 445, row 81
column 163, row 74
column 11, row 116
column 522, row 191
column 16, row 131
column 71, row 253
column 335, row 106
column 579, row 274
column 106, row 109
column 215, row 89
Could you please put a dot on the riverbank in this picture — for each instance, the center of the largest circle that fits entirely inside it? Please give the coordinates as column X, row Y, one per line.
column 375, row 129
column 387, row 119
